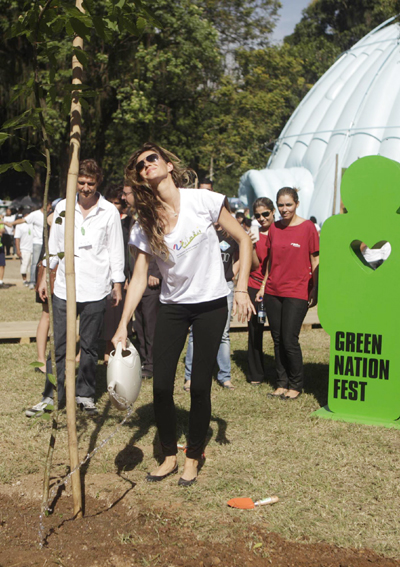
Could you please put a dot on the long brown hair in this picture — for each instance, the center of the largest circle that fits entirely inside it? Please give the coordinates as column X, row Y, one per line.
column 149, row 208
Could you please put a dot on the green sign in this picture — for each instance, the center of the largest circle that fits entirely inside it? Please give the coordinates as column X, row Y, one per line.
column 358, row 305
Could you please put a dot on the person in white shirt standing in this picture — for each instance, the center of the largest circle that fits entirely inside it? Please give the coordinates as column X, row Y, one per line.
column 24, row 246
column 8, row 236
column 36, row 221
column 177, row 227
column 99, row 268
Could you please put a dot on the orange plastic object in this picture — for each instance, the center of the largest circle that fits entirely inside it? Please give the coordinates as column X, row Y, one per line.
column 243, row 503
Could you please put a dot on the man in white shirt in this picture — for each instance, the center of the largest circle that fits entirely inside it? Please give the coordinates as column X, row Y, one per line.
column 8, row 236
column 99, row 268
column 24, row 245
column 36, row 220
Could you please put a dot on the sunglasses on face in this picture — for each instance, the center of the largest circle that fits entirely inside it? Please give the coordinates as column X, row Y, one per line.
column 152, row 158
column 265, row 214
column 89, row 183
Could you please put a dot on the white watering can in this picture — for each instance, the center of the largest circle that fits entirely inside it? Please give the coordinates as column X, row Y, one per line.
column 124, row 376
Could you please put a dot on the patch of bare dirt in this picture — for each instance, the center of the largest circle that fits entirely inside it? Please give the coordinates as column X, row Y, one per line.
column 114, row 535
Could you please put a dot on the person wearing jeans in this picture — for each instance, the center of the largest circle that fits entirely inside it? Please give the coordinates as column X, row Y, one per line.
column 99, row 269
column 224, row 351
column 290, row 286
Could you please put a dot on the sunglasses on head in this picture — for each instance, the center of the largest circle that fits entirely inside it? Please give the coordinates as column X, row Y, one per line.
column 89, row 183
column 265, row 214
column 152, row 158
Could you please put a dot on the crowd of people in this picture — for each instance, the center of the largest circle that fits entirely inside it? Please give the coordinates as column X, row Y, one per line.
column 181, row 263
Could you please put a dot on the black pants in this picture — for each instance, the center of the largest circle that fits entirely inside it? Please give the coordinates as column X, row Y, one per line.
column 8, row 243
column 145, row 326
column 285, row 316
column 90, row 326
column 255, row 343
column 173, row 322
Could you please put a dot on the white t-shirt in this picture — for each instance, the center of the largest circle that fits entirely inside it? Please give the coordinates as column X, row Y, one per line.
column 9, row 229
column 193, row 272
column 36, row 220
column 99, row 251
column 25, row 233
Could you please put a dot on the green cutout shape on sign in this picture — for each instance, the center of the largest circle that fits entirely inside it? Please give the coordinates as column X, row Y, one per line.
column 357, row 305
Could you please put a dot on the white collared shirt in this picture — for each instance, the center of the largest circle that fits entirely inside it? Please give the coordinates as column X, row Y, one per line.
column 99, row 251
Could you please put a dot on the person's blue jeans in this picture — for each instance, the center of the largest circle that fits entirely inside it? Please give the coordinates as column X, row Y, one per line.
column 37, row 248
column 224, row 351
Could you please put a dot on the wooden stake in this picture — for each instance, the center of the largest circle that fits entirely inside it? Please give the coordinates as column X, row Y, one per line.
column 75, row 145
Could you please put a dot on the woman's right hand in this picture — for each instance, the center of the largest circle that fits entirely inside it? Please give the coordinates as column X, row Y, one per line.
column 120, row 336
column 260, row 294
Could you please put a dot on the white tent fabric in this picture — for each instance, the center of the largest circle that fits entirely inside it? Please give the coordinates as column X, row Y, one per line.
column 351, row 112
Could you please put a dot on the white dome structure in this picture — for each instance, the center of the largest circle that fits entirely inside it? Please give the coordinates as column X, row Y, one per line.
column 351, row 112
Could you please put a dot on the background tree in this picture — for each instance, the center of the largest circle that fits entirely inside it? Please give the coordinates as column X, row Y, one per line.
column 329, row 27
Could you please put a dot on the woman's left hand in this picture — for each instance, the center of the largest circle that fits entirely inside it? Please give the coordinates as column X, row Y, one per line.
column 243, row 306
column 313, row 297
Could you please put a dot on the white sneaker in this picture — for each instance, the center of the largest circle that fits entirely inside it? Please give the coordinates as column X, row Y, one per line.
column 40, row 408
column 26, row 284
column 87, row 405
column 31, row 286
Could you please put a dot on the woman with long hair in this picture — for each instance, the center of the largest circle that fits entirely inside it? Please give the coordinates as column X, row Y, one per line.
column 263, row 209
column 290, row 286
column 176, row 226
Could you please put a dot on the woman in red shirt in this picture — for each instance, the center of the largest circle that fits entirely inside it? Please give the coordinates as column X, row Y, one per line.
column 290, row 285
column 263, row 209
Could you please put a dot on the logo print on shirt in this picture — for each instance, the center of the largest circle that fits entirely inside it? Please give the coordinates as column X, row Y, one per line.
column 223, row 245
column 185, row 243
column 295, row 244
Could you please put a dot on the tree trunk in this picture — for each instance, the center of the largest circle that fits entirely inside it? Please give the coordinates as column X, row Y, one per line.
column 75, row 144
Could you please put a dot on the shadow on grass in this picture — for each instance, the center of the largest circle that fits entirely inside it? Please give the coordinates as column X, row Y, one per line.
column 315, row 374
column 129, row 457
column 239, row 357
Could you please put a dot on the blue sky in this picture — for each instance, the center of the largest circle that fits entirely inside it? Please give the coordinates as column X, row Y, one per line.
column 290, row 15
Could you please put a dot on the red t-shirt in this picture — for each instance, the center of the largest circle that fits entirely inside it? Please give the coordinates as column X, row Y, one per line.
column 290, row 248
column 256, row 277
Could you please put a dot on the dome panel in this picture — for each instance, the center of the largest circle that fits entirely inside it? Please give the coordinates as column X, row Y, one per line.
column 351, row 112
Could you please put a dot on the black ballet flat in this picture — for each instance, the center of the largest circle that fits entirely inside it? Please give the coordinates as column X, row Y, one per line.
column 158, row 478
column 183, row 482
column 283, row 397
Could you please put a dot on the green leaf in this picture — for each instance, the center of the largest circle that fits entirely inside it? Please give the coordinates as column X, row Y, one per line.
column 52, row 379
column 129, row 25
column 112, row 25
column 3, row 137
column 5, row 167
column 68, row 28
column 36, row 364
column 58, row 220
column 84, row 103
column 62, row 214
column 141, row 24
column 120, row 4
column 100, row 27
column 79, row 28
column 81, row 56
column 61, row 255
column 45, row 416
column 28, row 168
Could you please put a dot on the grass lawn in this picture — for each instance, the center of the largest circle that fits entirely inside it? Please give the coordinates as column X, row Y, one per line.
column 338, row 482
